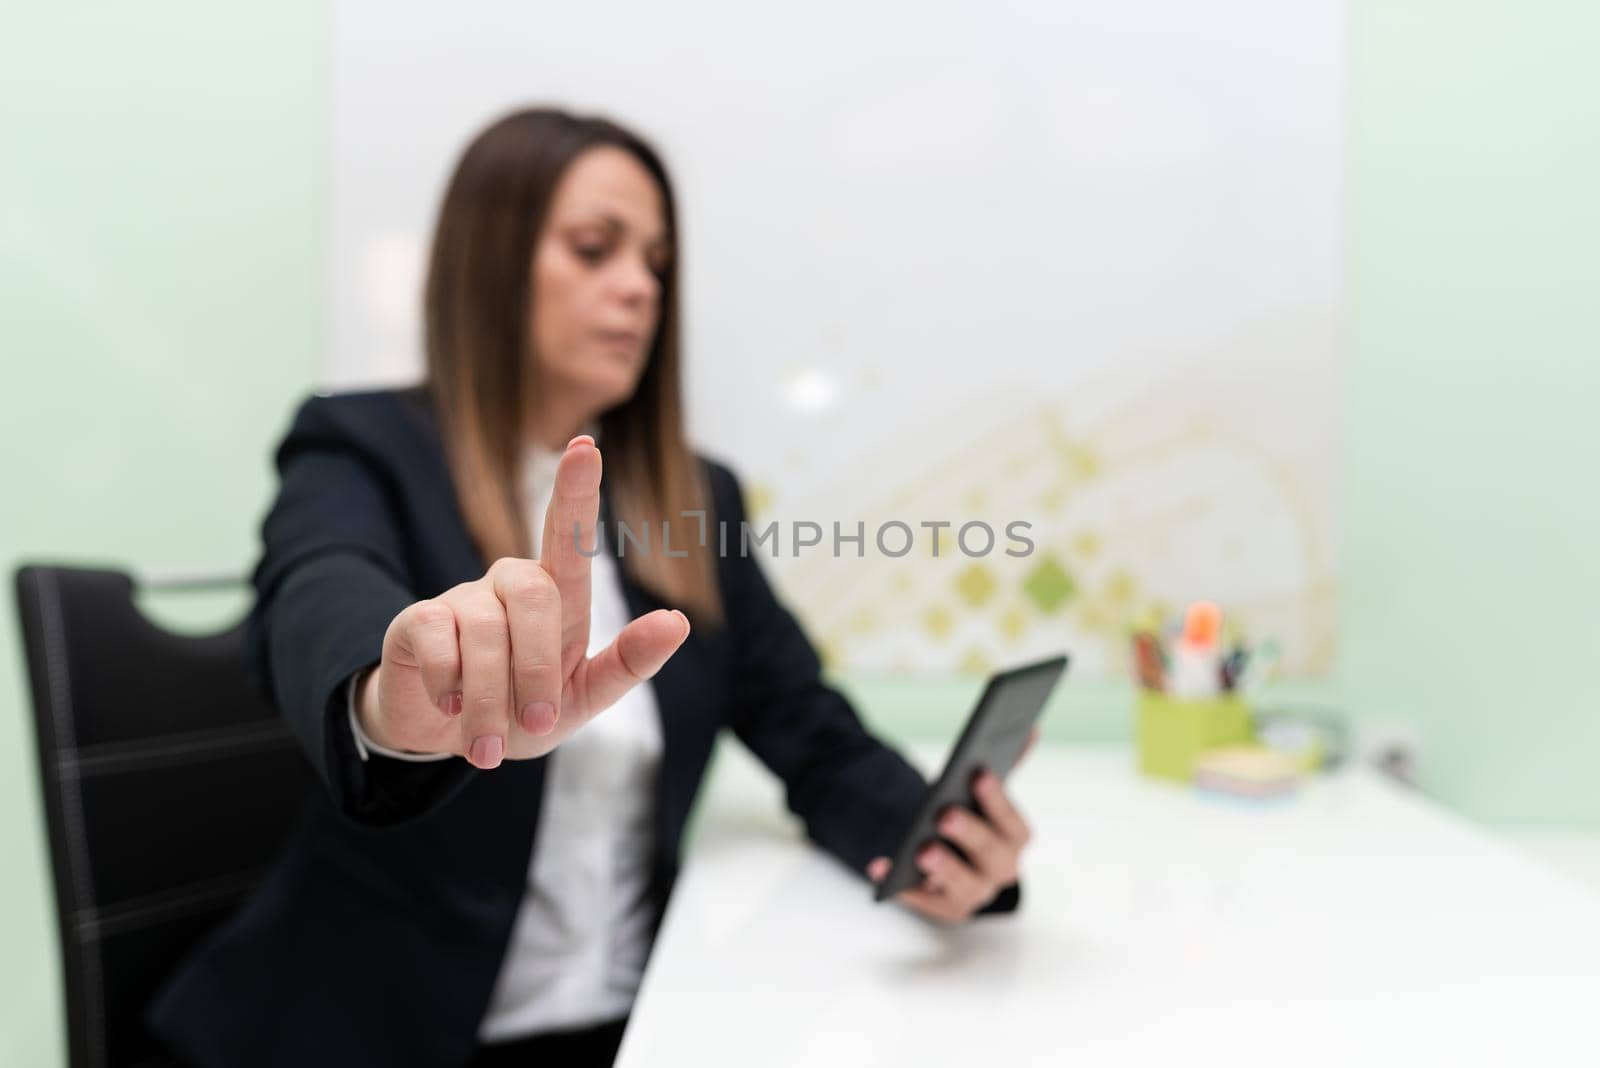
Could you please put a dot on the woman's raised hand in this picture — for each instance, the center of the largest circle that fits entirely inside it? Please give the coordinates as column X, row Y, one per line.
column 498, row 668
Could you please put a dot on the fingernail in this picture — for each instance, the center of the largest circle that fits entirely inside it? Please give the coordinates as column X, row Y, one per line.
column 450, row 703
column 581, row 439
column 487, row 751
column 929, row 859
column 685, row 619
column 948, row 823
column 538, row 717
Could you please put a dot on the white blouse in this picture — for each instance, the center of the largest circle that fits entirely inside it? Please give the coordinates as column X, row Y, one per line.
column 582, row 933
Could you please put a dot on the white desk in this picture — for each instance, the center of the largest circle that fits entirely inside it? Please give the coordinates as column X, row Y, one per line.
column 1356, row 924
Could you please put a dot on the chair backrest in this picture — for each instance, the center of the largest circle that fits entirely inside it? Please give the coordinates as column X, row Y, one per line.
column 168, row 784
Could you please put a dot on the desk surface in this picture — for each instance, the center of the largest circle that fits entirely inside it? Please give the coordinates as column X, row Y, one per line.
column 1356, row 923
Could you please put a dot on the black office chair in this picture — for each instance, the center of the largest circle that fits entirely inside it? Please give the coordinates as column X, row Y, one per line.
column 168, row 786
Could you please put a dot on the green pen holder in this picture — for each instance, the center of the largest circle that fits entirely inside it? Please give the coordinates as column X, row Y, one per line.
column 1172, row 731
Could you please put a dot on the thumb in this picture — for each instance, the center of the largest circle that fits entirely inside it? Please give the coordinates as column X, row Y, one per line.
column 877, row 868
column 635, row 655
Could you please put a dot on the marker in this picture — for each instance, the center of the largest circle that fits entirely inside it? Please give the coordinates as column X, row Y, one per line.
column 1233, row 667
column 1197, row 661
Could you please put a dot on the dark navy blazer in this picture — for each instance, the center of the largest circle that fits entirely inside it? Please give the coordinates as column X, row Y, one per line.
column 376, row 937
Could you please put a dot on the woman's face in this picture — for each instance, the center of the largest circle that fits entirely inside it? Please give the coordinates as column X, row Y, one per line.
column 597, row 271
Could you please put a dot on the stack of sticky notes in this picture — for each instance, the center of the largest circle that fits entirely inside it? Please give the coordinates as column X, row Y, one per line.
column 1247, row 771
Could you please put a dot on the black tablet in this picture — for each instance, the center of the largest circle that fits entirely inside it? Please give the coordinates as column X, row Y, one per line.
column 994, row 737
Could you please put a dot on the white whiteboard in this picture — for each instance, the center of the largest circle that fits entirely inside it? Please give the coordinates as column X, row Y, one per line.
column 1071, row 263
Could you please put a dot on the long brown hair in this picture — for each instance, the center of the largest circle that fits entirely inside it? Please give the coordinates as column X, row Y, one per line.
column 476, row 333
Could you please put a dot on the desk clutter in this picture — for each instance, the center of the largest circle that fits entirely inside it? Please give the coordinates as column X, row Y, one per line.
column 1194, row 716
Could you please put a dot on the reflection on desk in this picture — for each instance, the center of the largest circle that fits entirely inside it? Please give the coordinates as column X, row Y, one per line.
column 1354, row 923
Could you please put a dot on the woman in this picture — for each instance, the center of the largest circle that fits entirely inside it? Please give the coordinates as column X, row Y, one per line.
column 450, row 898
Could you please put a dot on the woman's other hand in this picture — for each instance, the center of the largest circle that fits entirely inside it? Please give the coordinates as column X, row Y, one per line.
column 497, row 668
column 993, row 839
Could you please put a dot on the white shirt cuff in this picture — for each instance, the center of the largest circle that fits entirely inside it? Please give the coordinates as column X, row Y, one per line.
column 365, row 746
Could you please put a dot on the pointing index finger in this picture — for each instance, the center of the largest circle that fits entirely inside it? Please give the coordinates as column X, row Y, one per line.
column 569, row 534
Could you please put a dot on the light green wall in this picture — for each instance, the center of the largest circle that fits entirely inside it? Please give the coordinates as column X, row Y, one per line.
column 161, row 198
column 1471, row 499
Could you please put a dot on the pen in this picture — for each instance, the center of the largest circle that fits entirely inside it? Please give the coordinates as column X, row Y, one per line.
column 1147, row 660
column 1260, row 665
column 1233, row 667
